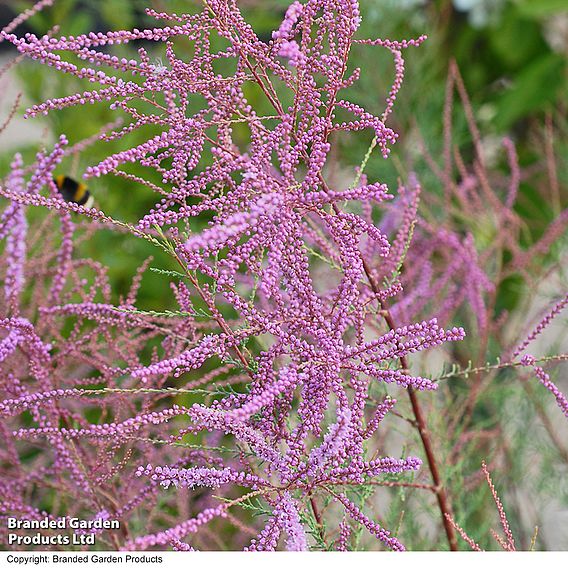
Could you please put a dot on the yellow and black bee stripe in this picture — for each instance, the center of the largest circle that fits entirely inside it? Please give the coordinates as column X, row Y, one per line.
column 73, row 191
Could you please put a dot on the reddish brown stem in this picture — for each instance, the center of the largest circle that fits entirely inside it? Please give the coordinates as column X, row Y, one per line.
column 439, row 490
column 317, row 516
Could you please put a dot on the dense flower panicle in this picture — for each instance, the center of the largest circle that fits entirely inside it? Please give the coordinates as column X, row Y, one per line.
column 12, row 407
column 21, row 331
column 199, row 477
column 106, row 430
column 284, row 519
column 179, row 531
column 296, row 536
column 192, row 359
column 342, row 544
column 542, row 325
column 544, row 378
column 381, row 411
column 13, row 227
column 8, row 346
column 279, row 343
column 181, row 546
column 267, row 540
column 358, row 470
column 403, row 341
column 334, row 445
column 290, row 19
column 374, row 528
column 287, row 380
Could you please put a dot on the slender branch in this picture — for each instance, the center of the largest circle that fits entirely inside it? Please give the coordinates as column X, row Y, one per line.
column 441, row 495
column 425, row 486
column 318, row 518
column 421, row 425
column 496, row 366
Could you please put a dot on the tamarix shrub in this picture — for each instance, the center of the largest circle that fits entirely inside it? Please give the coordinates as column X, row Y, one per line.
column 254, row 416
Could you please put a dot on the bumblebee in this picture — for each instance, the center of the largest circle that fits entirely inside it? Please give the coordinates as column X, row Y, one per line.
column 73, row 191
